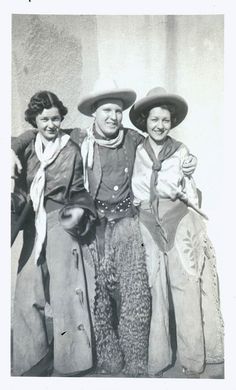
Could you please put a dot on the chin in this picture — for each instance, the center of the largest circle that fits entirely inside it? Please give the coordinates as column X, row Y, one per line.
column 111, row 132
column 158, row 139
column 52, row 137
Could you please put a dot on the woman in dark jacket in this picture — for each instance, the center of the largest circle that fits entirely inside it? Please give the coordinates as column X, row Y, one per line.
column 51, row 279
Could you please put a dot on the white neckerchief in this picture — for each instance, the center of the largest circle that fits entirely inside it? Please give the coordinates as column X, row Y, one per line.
column 45, row 157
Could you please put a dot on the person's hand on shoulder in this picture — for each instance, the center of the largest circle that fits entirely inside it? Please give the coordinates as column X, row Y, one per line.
column 189, row 165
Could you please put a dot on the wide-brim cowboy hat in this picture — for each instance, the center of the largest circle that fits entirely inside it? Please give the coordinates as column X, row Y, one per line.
column 156, row 97
column 105, row 89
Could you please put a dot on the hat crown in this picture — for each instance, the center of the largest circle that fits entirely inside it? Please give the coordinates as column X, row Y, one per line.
column 104, row 84
column 105, row 88
column 157, row 91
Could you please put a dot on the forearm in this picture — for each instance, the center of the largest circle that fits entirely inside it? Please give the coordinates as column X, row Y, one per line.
column 77, row 135
column 19, row 144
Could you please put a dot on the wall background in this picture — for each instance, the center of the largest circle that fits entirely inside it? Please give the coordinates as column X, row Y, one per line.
column 184, row 54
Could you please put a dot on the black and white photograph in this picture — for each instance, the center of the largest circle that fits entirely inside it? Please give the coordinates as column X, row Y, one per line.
column 120, row 172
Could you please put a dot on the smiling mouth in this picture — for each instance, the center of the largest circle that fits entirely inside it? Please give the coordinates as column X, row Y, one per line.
column 112, row 124
column 158, row 132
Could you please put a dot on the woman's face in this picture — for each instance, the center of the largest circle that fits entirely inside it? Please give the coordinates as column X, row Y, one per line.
column 158, row 123
column 48, row 123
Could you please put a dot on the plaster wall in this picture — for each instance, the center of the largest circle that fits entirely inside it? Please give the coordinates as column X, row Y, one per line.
column 184, row 54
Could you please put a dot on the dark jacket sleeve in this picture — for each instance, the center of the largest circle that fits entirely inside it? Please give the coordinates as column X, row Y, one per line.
column 79, row 197
column 19, row 144
column 77, row 135
column 77, row 181
column 136, row 136
column 78, row 194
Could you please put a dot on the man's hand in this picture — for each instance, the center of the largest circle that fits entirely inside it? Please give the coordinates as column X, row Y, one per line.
column 189, row 165
column 16, row 167
column 71, row 217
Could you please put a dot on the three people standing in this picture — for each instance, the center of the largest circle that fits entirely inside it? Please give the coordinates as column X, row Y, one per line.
column 132, row 262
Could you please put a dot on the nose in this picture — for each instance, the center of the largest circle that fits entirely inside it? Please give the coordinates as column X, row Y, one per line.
column 50, row 124
column 160, row 124
column 113, row 115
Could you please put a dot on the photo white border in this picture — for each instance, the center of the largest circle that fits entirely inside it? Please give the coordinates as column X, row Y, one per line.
column 70, row 7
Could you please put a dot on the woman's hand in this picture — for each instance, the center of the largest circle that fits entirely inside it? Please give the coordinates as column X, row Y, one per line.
column 16, row 167
column 189, row 165
column 71, row 217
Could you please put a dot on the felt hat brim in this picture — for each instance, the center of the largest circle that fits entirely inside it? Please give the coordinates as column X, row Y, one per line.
column 87, row 104
column 140, row 108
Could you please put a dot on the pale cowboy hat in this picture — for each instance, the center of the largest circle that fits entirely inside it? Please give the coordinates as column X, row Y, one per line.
column 105, row 89
column 156, row 97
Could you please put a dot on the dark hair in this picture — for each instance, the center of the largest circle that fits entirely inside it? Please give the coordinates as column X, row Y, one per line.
column 170, row 107
column 40, row 101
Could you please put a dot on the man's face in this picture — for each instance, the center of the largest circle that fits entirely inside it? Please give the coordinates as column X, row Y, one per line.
column 108, row 117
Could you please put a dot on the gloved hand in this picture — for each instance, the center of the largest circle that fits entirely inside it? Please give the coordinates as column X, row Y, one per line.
column 75, row 220
column 71, row 217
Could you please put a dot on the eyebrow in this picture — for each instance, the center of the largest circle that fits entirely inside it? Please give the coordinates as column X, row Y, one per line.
column 110, row 108
column 53, row 117
column 157, row 117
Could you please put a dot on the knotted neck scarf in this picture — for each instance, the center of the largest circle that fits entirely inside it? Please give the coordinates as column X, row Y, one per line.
column 169, row 147
column 46, row 157
column 87, row 149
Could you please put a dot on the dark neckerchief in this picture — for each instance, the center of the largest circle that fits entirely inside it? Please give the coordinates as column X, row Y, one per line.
column 169, row 147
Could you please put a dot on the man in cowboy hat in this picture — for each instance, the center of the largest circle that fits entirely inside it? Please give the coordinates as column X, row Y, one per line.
column 122, row 306
column 122, row 302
